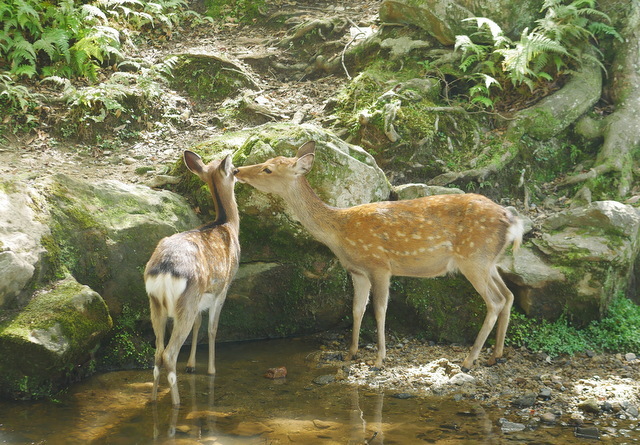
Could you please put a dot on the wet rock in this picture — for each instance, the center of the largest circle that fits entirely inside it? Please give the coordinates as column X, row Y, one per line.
column 462, row 379
column 548, row 418
column 544, row 394
column 324, row 379
column 511, row 427
column 576, row 419
column 321, row 424
column 632, row 411
column 590, row 432
column 590, row 406
column 525, row 401
column 402, row 396
column 276, row 373
column 630, row 357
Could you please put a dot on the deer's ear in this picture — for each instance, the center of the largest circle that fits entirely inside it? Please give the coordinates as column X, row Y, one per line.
column 306, row 148
column 193, row 162
column 304, row 164
column 227, row 165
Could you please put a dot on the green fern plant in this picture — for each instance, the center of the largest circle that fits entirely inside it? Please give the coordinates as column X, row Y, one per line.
column 560, row 42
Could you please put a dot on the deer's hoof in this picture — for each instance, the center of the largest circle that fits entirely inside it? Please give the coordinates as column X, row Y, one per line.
column 190, row 370
column 465, row 369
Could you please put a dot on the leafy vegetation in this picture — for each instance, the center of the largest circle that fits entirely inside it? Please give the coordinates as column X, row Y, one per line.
column 127, row 347
column 70, row 40
column 561, row 42
column 244, row 11
column 618, row 331
column 66, row 43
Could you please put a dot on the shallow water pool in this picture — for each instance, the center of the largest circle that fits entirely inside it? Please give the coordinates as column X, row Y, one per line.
column 240, row 406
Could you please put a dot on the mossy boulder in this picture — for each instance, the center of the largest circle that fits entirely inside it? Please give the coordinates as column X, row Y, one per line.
column 48, row 344
column 209, row 78
column 104, row 232
column 412, row 137
column 583, row 258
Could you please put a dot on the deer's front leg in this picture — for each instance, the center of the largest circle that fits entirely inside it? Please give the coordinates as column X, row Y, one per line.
column 361, row 288
column 380, row 301
column 214, row 317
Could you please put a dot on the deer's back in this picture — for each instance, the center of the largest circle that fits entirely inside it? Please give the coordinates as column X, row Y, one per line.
column 422, row 237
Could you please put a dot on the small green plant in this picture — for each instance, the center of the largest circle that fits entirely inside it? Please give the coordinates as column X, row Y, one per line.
column 618, row 331
column 127, row 348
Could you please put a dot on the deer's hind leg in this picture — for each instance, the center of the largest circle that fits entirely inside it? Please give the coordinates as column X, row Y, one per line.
column 214, row 318
column 159, row 323
column 482, row 281
column 503, row 318
column 182, row 324
column 380, row 297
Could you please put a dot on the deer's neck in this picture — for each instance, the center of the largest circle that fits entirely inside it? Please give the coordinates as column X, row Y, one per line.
column 224, row 202
column 320, row 219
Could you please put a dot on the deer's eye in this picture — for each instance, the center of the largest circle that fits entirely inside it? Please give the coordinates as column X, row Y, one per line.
column 267, row 170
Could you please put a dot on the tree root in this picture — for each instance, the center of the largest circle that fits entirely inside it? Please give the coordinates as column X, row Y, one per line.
column 620, row 129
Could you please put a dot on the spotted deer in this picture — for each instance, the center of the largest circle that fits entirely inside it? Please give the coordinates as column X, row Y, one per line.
column 424, row 237
column 191, row 271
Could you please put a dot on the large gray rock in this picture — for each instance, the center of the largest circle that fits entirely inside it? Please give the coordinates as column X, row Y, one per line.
column 21, row 234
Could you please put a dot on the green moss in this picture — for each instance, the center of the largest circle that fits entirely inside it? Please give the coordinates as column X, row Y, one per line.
column 49, row 308
column 67, row 309
column 449, row 308
column 207, row 79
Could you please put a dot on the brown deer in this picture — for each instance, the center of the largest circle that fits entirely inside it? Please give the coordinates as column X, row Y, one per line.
column 191, row 271
column 424, row 237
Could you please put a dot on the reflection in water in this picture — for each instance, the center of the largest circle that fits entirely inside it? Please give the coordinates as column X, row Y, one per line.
column 360, row 432
column 240, row 406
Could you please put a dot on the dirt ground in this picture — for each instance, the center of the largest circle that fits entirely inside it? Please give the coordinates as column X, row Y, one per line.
column 600, row 389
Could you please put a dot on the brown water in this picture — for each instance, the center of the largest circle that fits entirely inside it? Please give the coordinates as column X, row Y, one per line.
column 240, row 406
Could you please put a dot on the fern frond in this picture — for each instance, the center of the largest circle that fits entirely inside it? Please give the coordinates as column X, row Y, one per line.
column 28, row 17
column 22, row 51
column 55, row 43
column 483, row 100
column 493, row 27
column 91, row 12
column 24, row 70
column 599, row 28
